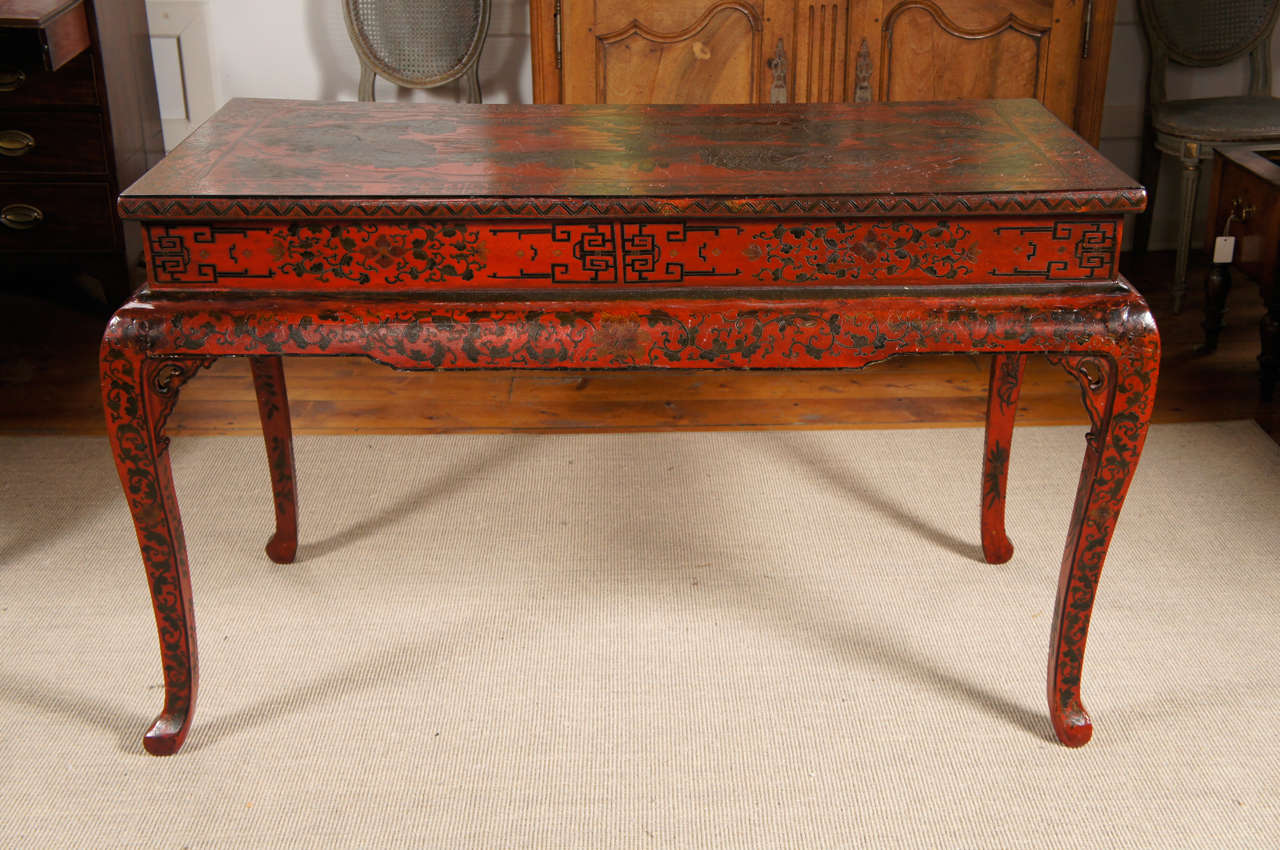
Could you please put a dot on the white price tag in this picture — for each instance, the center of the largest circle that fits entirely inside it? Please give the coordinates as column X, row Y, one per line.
column 1224, row 249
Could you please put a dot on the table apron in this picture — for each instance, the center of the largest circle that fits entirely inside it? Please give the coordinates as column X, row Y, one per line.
column 389, row 256
column 741, row 333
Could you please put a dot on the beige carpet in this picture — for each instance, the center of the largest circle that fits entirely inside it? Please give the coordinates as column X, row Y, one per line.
column 711, row 640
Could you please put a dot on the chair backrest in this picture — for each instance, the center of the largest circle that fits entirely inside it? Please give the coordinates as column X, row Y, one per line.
column 1205, row 33
column 418, row 43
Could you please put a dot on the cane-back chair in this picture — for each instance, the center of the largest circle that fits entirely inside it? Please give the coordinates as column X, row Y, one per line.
column 1203, row 33
column 418, row 43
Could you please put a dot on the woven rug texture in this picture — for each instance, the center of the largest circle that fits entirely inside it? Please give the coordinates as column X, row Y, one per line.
column 702, row 640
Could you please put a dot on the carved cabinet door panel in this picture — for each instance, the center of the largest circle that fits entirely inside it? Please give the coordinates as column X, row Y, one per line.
column 944, row 49
column 711, row 51
column 685, row 51
column 825, row 47
column 761, row 51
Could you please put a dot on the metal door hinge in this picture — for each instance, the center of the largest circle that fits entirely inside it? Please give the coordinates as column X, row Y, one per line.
column 559, row 37
column 1088, row 28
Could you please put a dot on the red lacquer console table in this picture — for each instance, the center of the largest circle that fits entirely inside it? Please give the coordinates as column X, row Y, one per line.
column 561, row 237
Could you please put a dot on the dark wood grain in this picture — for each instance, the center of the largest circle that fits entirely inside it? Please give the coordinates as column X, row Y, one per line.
column 703, row 51
column 33, row 13
column 71, row 85
column 76, row 217
column 66, row 35
column 94, row 118
column 70, row 143
column 1246, row 185
column 128, row 80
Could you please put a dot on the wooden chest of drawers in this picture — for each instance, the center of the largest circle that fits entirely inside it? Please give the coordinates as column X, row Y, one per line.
column 78, row 121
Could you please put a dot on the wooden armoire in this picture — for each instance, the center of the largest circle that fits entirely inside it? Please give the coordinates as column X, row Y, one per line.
column 761, row 51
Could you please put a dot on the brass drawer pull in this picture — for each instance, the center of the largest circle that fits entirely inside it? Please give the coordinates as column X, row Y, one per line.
column 16, row 142
column 21, row 216
column 11, row 79
column 1241, row 210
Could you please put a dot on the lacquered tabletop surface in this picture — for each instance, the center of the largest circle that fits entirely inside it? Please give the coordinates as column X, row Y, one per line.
column 310, row 150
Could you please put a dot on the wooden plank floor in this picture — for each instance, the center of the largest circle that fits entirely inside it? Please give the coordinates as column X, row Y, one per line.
column 48, row 384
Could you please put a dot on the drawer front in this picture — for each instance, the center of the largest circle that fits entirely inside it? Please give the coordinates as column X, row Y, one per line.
column 436, row 255
column 71, row 85
column 51, row 143
column 30, row 44
column 61, row 216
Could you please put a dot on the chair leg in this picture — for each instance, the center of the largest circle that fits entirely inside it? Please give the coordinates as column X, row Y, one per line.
column 1148, row 176
column 1002, row 405
column 277, row 431
column 1190, row 183
column 364, row 91
column 471, row 84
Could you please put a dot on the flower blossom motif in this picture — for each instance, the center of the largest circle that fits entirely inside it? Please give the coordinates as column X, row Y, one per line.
column 868, row 249
column 382, row 251
column 618, row 338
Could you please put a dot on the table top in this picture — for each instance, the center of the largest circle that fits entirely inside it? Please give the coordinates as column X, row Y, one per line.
column 1261, row 159
column 282, row 159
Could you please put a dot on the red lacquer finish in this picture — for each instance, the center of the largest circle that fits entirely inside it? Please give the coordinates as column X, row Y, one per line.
column 672, row 238
column 1002, row 405
column 277, row 431
column 138, row 393
column 377, row 256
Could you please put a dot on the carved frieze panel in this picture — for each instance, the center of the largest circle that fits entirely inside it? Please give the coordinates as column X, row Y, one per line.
column 522, row 254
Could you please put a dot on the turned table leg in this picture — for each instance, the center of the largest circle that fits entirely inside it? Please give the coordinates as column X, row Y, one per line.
column 1118, row 393
column 1217, row 286
column 1269, row 331
column 138, row 394
column 1002, row 406
column 277, row 431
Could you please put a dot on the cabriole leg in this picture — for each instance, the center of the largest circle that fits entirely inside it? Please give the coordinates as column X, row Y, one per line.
column 138, row 394
column 277, row 431
column 1118, row 394
column 1002, row 406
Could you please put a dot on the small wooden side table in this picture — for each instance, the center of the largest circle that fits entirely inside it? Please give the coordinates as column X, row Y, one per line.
column 819, row 236
column 1246, row 188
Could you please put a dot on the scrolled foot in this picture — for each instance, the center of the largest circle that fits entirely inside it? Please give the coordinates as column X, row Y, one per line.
column 139, row 391
column 282, row 548
column 1002, row 406
column 997, row 550
column 167, row 733
column 277, row 433
column 1118, row 391
column 1071, row 724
